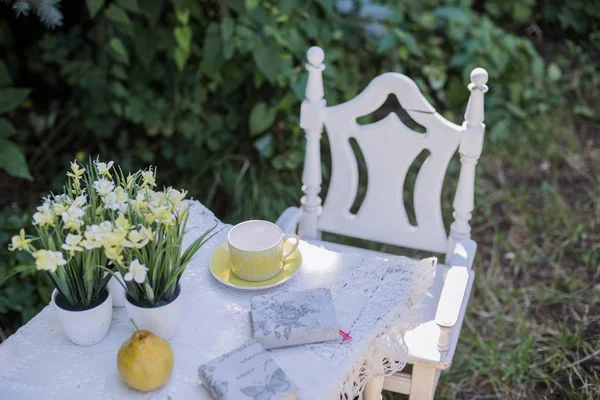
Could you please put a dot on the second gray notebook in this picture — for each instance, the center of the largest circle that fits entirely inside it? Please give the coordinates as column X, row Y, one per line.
column 292, row 318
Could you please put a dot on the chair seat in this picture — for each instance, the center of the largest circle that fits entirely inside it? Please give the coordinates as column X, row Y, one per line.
column 423, row 340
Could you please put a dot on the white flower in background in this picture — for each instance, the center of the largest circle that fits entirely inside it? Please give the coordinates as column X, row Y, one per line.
column 19, row 242
column 103, row 168
column 122, row 223
column 137, row 272
column 45, row 216
column 175, row 196
column 46, row 260
column 148, row 178
column 72, row 218
column 71, row 243
column 103, row 186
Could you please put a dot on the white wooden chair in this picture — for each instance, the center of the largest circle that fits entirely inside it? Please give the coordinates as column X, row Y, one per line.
column 389, row 149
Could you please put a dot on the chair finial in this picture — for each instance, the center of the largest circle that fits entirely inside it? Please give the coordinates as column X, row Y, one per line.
column 315, row 55
column 479, row 77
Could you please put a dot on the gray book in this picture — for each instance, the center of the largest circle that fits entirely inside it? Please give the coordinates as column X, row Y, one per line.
column 247, row 372
column 292, row 318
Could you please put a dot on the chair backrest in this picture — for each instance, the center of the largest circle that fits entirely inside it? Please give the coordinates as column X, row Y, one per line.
column 389, row 148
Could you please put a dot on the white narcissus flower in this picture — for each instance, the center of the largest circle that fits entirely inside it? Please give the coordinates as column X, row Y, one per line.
column 136, row 240
column 80, row 200
column 77, row 171
column 146, row 233
column 45, row 216
column 122, row 223
column 175, row 196
column 19, row 242
column 95, row 235
column 72, row 218
column 114, row 254
column 148, row 178
column 103, row 168
column 46, row 260
column 103, row 186
column 71, row 243
column 117, row 200
column 137, row 272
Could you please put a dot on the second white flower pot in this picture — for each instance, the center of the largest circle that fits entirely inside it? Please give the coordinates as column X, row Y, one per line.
column 117, row 290
column 163, row 321
column 86, row 327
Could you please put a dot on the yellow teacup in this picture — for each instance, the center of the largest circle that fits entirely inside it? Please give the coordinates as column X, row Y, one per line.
column 256, row 250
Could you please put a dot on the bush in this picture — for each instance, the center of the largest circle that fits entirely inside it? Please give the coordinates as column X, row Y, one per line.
column 210, row 91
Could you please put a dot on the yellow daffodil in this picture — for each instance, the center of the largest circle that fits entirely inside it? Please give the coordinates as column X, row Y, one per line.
column 146, row 233
column 148, row 178
column 46, row 260
column 114, row 254
column 175, row 196
column 122, row 223
column 77, row 171
column 19, row 242
column 136, row 240
column 71, row 243
column 103, row 168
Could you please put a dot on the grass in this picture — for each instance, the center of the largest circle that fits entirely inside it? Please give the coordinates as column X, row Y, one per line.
column 532, row 329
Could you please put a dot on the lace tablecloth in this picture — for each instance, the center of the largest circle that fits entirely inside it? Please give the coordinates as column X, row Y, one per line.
column 374, row 300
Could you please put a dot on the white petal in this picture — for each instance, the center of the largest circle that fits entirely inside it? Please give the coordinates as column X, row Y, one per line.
column 128, row 276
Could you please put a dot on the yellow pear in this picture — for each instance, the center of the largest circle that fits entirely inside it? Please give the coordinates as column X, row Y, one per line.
column 145, row 361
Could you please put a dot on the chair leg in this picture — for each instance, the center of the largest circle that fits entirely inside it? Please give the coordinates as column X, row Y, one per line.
column 424, row 381
column 373, row 389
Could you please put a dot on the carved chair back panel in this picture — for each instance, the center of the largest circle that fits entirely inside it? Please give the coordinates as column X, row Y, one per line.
column 389, row 148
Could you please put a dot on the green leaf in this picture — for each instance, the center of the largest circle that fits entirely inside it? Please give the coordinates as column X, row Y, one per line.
column 251, row 4
column 388, row 41
column 226, row 28
column 117, row 50
column 5, row 79
column 554, row 72
column 267, row 59
column 118, row 16
column 94, row 6
column 264, row 145
column 129, row 5
column 180, row 58
column 182, row 15
column 13, row 161
column 183, row 37
column 152, row 10
column 211, row 52
column 261, row 118
column 11, row 98
column 145, row 45
column 6, row 128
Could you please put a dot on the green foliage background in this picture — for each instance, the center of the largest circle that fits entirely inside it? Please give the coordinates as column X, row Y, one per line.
column 210, row 91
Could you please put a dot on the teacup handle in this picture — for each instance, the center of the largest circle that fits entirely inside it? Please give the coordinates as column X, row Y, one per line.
column 288, row 236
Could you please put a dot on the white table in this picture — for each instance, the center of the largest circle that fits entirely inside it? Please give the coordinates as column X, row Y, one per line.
column 374, row 300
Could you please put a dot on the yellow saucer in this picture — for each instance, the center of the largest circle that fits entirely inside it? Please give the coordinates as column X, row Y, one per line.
column 219, row 268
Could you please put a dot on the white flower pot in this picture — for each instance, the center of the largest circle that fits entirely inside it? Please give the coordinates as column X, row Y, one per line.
column 87, row 327
column 116, row 290
column 163, row 321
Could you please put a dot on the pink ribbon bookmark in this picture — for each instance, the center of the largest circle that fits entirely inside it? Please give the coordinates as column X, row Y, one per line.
column 345, row 337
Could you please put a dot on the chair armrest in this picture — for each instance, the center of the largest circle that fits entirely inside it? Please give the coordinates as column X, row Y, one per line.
column 453, row 292
column 289, row 218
